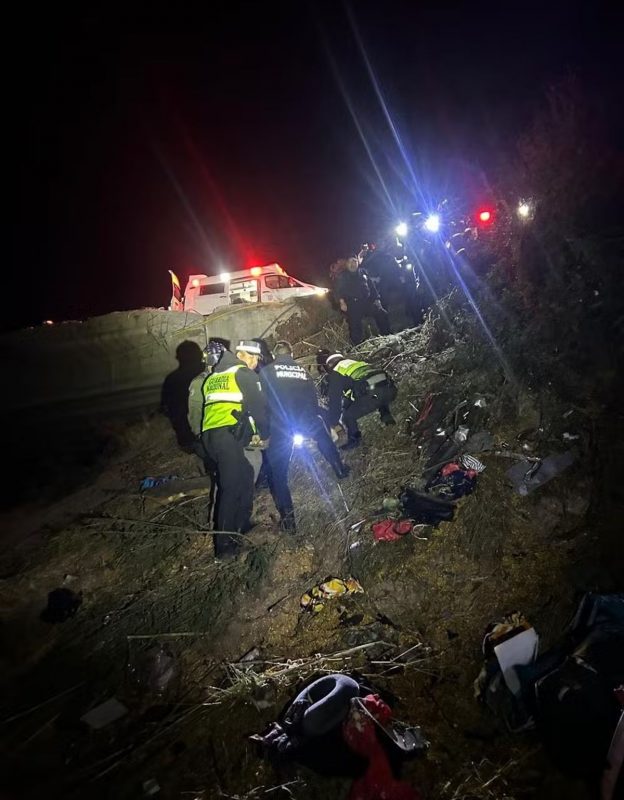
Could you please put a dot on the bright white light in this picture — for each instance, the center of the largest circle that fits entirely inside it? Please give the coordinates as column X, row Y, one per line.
column 401, row 229
column 408, row 266
column 297, row 440
column 321, row 290
column 224, row 277
column 524, row 210
column 432, row 223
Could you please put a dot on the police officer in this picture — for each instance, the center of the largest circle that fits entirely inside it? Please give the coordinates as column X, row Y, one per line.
column 234, row 416
column 358, row 389
column 358, row 298
column 293, row 410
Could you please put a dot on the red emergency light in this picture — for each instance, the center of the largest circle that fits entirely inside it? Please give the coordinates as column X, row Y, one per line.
column 485, row 215
column 255, row 271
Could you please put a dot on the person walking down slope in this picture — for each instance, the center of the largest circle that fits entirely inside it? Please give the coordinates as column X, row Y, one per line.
column 358, row 299
column 357, row 389
column 234, row 416
column 293, row 410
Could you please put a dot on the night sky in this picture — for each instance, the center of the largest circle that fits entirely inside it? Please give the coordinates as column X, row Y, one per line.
column 155, row 137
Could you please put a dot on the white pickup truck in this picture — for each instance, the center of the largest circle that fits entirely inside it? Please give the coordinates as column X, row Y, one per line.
column 206, row 293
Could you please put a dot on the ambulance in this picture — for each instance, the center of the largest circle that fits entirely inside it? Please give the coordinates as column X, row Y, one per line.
column 269, row 284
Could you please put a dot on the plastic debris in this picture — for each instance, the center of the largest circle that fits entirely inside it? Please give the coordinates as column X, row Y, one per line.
column 570, row 437
column 109, row 711
column 461, row 434
column 153, row 483
column 314, row 600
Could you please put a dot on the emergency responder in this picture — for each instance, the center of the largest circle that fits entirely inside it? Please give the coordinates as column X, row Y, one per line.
column 358, row 389
column 358, row 298
column 395, row 281
column 234, row 417
column 293, row 411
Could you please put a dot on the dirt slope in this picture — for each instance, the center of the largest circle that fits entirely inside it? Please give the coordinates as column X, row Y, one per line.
column 145, row 568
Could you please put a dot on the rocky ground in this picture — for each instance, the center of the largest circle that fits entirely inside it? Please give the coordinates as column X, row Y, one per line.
column 144, row 567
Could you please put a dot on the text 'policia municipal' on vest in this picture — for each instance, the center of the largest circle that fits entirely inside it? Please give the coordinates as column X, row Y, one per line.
column 222, row 397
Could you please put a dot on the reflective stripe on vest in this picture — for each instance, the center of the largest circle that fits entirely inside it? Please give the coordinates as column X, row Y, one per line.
column 222, row 396
column 353, row 369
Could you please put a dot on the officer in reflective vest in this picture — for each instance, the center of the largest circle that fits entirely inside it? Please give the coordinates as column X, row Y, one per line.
column 294, row 414
column 234, row 415
column 358, row 389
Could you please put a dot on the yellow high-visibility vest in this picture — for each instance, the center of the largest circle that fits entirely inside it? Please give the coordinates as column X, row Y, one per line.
column 353, row 369
column 222, row 396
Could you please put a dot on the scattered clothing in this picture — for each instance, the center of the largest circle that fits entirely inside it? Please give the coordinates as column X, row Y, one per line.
column 471, row 463
column 425, row 508
column 314, row 600
column 63, row 604
column 329, row 728
column 452, row 482
column 570, row 693
column 360, row 730
column 480, row 442
column 525, row 477
column 389, row 530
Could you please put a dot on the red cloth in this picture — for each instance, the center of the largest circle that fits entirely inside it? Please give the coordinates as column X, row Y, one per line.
column 449, row 468
column 359, row 732
column 389, row 530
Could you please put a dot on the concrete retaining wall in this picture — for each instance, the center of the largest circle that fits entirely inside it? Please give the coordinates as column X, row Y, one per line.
column 117, row 362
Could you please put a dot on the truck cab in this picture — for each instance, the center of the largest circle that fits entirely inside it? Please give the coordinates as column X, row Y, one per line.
column 206, row 293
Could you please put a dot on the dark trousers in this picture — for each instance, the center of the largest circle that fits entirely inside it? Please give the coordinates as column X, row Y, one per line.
column 378, row 400
column 235, row 482
column 279, row 453
column 314, row 427
column 357, row 310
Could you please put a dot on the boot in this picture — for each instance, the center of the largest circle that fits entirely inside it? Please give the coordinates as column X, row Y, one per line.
column 287, row 524
column 342, row 470
column 354, row 440
column 388, row 419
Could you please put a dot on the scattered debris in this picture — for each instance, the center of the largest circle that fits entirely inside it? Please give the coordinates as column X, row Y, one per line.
column 526, row 479
column 314, row 599
column 480, row 442
column 150, row 787
column 63, row 603
column 153, row 483
column 453, row 482
column 369, row 722
column 389, row 530
column 109, row 711
column 425, row 508
column 153, row 669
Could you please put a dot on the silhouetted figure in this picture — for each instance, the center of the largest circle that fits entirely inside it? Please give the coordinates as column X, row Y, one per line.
column 175, row 391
